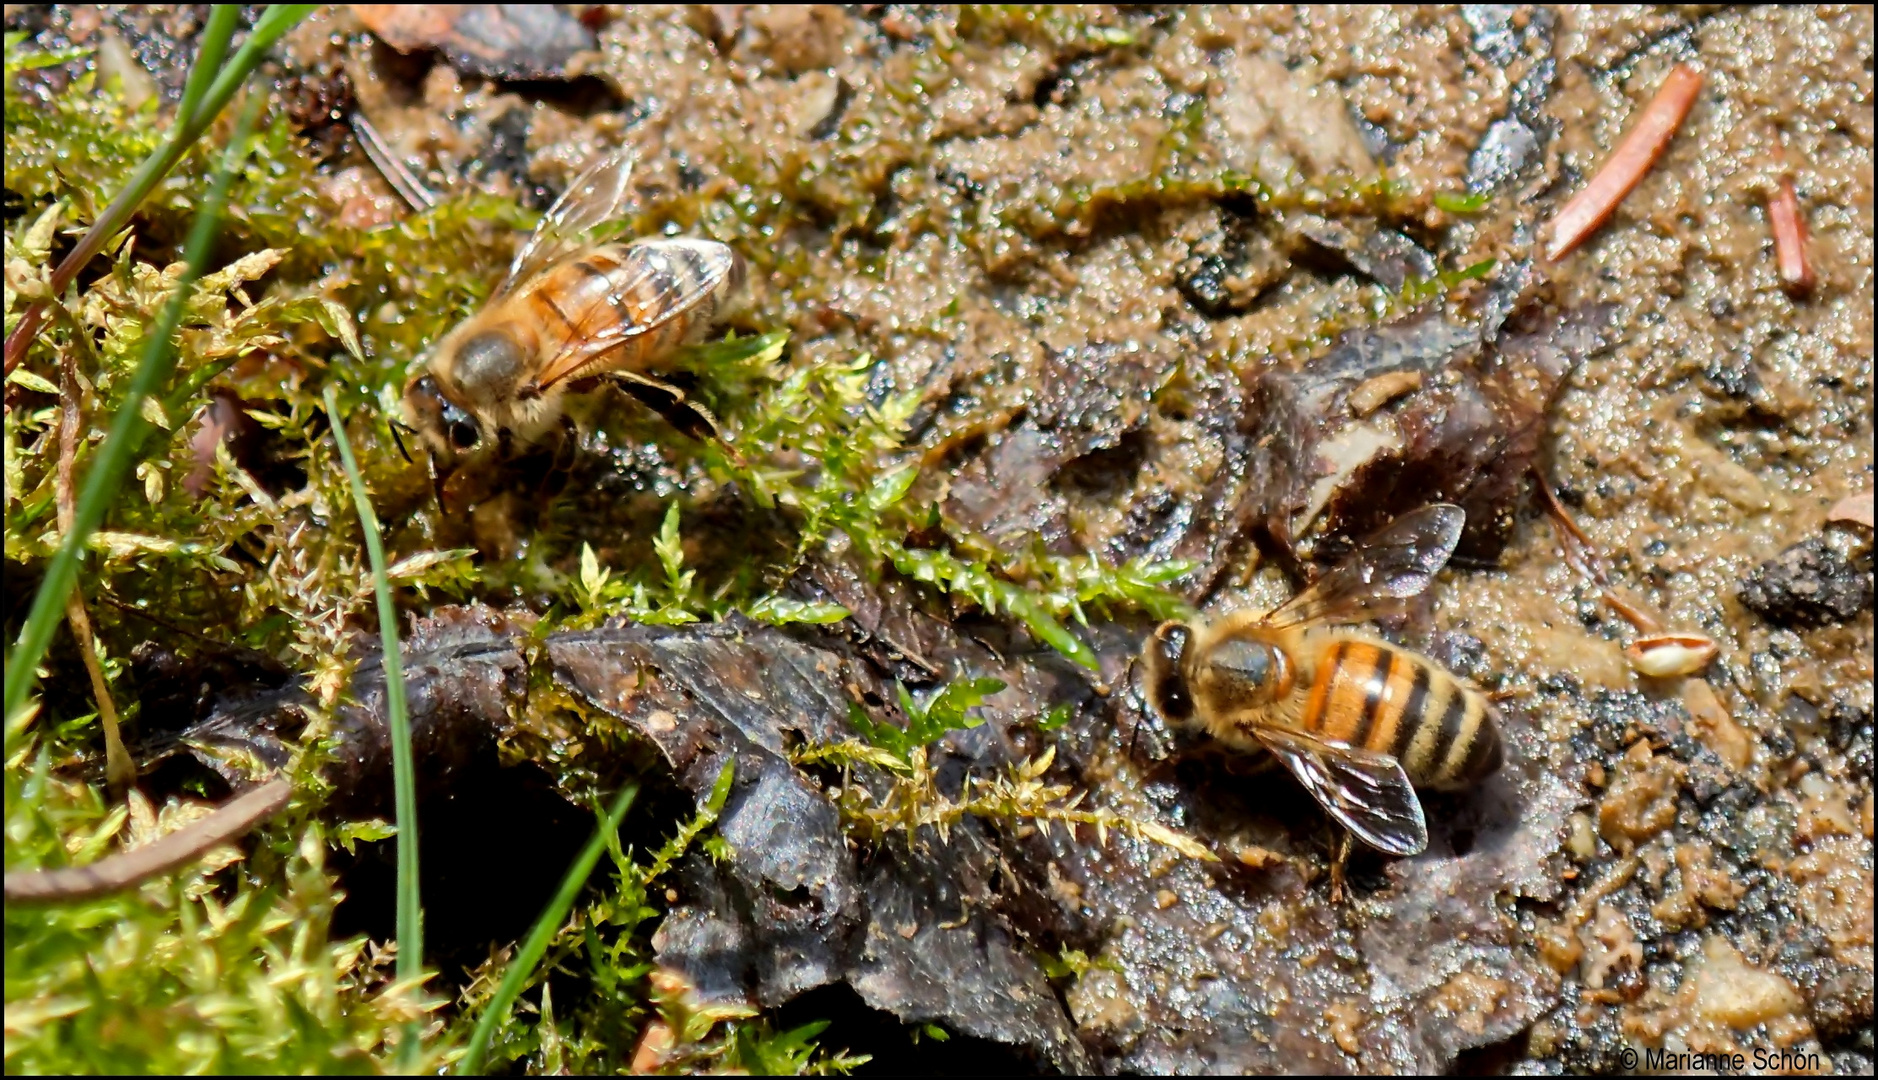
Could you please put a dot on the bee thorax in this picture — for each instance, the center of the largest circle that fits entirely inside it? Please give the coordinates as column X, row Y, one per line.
column 1240, row 674
column 489, row 365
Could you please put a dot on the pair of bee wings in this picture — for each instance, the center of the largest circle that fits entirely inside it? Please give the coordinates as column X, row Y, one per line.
column 577, row 220
column 1393, row 564
column 1368, row 792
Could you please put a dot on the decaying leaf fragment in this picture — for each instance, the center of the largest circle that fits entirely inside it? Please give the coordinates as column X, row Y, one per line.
column 499, row 41
column 1462, row 423
column 944, row 930
column 793, row 907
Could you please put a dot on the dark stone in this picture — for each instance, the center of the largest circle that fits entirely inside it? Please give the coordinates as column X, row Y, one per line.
column 1811, row 584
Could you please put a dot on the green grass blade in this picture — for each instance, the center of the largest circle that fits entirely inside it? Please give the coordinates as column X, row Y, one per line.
column 123, row 442
column 543, row 933
column 275, row 21
column 403, row 769
column 211, row 49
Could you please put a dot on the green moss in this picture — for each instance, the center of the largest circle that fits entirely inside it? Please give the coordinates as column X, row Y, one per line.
column 911, row 804
column 223, row 967
column 1418, row 291
column 1068, row 27
column 1079, row 206
column 944, row 712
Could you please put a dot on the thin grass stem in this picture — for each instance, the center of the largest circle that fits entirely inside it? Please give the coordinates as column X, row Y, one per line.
column 403, row 769
column 543, row 933
column 211, row 49
column 274, row 22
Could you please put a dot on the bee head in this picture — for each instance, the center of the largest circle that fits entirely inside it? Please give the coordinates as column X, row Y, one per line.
column 446, row 427
column 1163, row 659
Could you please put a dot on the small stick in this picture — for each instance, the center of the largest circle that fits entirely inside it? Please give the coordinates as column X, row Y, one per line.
column 1337, row 864
column 1581, row 555
column 166, row 624
column 1573, row 541
column 119, row 773
column 123, row 870
column 1627, row 164
column 1713, row 724
column 1783, row 213
column 396, row 172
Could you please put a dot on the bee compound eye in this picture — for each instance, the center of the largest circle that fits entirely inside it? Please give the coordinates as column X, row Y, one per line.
column 1170, row 697
column 1167, row 686
column 463, row 434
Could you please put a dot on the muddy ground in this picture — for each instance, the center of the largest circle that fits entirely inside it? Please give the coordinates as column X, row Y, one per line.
column 1131, row 368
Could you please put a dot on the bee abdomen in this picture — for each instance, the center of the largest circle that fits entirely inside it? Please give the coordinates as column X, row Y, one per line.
column 654, row 278
column 660, row 292
column 1392, row 701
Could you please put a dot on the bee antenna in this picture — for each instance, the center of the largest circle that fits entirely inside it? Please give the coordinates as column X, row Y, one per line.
column 394, row 425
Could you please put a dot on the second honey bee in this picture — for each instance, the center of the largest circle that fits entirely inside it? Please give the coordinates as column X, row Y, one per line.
column 1361, row 723
column 572, row 309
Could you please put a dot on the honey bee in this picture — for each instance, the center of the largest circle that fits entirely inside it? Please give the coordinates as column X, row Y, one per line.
column 573, row 309
column 1361, row 723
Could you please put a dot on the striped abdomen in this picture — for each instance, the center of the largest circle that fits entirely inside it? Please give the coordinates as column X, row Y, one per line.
column 672, row 287
column 1376, row 696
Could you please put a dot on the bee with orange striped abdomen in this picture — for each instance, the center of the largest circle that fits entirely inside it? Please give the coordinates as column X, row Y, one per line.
column 572, row 310
column 1360, row 722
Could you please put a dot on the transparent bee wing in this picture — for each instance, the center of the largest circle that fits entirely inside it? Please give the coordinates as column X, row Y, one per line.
column 1369, row 793
column 657, row 281
column 595, row 196
column 1393, row 564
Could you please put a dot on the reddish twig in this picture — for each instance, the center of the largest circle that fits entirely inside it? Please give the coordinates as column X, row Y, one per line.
column 108, row 225
column 1627, row 164
column 1581, row 555
column 1783, row 213
column 121, row 871
column 119, row 771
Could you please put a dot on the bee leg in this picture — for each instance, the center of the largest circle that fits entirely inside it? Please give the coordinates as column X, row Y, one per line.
column 567, row 449
column 555, row 456
column 1337, row 864
column 436, row 480
column 399, row 439
column 670, row 402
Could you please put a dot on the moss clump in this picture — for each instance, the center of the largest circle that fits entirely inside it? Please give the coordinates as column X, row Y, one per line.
column 1066, row 27
column 912, row 799
column 224, row 967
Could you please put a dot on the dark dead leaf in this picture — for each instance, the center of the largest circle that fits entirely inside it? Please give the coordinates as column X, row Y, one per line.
column 498, row 41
